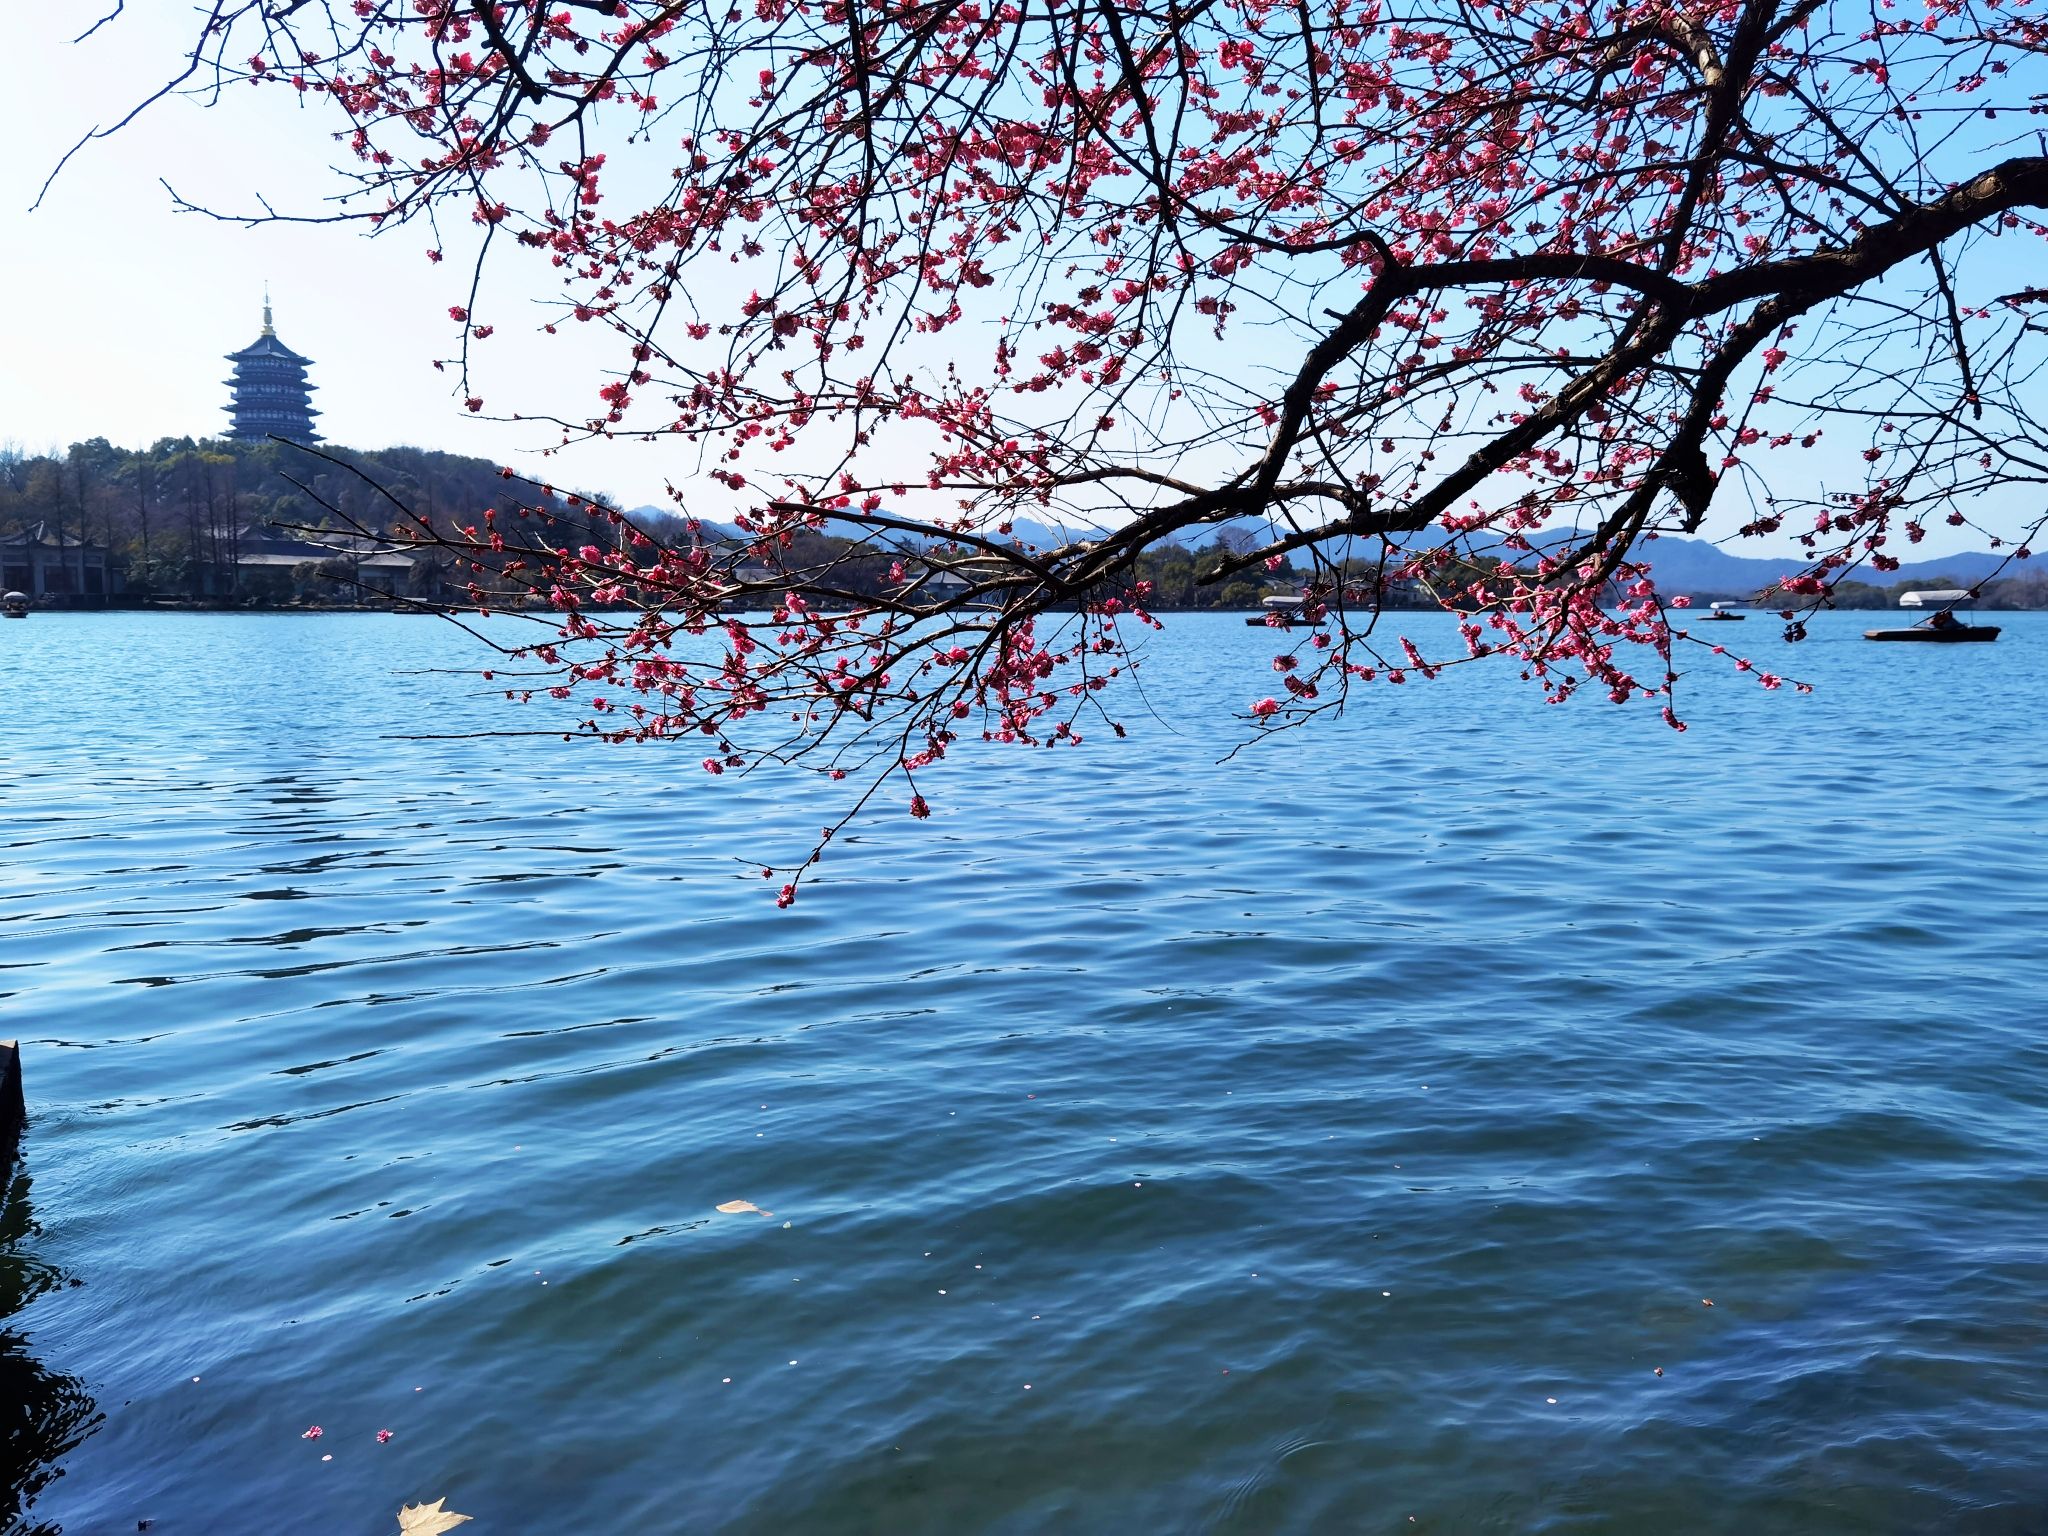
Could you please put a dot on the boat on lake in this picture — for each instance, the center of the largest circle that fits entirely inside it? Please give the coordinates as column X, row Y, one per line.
column 1286, row 604
column 1725, row 613
column 1943, row 626
column 14, row 606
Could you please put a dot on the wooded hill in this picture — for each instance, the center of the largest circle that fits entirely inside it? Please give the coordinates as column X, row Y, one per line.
column 176, row 515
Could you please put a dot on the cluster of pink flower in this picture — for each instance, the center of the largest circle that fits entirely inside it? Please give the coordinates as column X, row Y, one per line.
column 1529, row 293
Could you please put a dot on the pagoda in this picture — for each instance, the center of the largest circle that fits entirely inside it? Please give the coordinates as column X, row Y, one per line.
column 272, row 397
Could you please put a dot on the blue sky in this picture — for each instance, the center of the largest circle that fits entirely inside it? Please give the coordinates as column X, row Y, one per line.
column 122, row 309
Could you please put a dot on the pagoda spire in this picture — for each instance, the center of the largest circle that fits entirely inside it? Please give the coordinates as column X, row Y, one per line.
column 268, row 328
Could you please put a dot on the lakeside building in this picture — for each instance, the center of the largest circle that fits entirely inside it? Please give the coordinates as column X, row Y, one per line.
column 43, row 561
column 324, row 561
column 271, row 395
column 932, row 584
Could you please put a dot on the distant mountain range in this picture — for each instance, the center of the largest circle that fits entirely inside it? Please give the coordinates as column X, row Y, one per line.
column 1699, row 565
column 1681, row 565
column 1702, row 567
column 1023, row 530
column 653, row 516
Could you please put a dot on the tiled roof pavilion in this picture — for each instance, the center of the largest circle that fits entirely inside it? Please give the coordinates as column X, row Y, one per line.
column 43, row 560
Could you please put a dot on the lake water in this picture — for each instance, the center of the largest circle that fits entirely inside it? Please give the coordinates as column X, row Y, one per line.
column 1335, row 1140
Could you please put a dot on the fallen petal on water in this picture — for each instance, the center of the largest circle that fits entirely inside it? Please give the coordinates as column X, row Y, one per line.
column 428, row 1519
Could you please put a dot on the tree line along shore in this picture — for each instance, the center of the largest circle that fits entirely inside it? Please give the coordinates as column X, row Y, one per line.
column 218, row 524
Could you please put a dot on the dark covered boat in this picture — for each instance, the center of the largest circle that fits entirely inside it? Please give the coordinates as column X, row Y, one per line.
column 1286, row 605
column 1944, row 626
column 1962, row 634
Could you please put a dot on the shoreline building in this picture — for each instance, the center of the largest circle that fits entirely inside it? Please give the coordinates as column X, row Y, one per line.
column 42, row 560
column 324, row 563
column 272, row 397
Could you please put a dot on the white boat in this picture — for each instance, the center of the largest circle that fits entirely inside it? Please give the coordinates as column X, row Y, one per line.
column 1942, row 627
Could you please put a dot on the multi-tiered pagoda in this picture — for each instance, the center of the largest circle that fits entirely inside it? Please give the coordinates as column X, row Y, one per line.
column 272, row 397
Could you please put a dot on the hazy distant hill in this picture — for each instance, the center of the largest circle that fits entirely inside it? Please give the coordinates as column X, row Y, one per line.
column 1685, row 565
column 1023, row 530
column 657, row 520
column 1682, row 565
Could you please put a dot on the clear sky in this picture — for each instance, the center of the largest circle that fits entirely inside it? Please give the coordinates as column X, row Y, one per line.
column 120, row 309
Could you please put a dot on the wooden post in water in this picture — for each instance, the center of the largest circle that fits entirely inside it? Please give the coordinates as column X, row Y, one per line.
column 13, row 1108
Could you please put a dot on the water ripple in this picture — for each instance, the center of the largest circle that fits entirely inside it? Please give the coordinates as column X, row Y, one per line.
column 1499, row 1118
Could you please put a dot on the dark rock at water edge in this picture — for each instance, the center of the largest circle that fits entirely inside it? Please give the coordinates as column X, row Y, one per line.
column 13, row 1109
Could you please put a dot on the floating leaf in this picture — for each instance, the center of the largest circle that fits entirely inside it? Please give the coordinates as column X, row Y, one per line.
column 735, row 1207
column 428, row 1519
